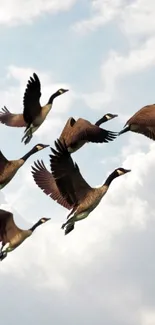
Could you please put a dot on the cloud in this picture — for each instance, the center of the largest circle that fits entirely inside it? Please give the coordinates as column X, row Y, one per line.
column 105, row 261
column 14, row 12
column 118, row 67
column 148, row 317
column 102, row 12
column 138, row 18
column 134, row 18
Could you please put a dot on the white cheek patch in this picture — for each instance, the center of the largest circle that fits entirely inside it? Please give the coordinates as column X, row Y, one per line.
column 119, row 172
column 39, row 147
column 108, row 117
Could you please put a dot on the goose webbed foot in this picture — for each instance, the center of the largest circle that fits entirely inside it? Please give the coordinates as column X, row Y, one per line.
column 69, row 227
column 27, row 137
column 27, row 140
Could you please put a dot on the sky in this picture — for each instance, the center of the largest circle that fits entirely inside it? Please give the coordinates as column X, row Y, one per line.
column 103, row 51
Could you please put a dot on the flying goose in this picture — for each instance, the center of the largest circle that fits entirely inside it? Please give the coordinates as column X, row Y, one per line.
column 142, row 122
column 34, row 114
column 8, row 168
column 10, row 235
column 77, row 133
column 67, row 186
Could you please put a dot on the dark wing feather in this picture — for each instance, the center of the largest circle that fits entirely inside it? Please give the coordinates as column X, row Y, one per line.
column 85, row 131
column 31, row 100
column 67, row 174
column 10, row 119
column 145, row 116
column 3, row 162
column 8, row 228
column 44, row 179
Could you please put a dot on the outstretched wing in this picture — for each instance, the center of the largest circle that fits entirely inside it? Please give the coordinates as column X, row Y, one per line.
column 10, row 119
column 67, row 174
column 31, row 99
column 8, row 228
column 44, row 179
column 67, row 128
column 86, row 131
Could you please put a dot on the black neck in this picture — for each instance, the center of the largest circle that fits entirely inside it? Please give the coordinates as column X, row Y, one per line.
column 102, row 120
column 110, row 178
column 35, row 226
column 31, row 152
column 53, row 96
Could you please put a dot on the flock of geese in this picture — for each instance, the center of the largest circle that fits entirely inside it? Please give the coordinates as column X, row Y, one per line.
column 64, row 183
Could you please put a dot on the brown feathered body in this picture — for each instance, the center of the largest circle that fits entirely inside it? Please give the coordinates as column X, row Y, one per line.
column 77, row 133
column 67, row 186
column 142, row 122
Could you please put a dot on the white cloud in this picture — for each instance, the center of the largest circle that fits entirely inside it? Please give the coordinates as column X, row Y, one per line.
column 118, row 67
column 138, row 18
column 148, row 317
column 101, row 13
column 20, row 11
column 108, row 252
column 134, row 18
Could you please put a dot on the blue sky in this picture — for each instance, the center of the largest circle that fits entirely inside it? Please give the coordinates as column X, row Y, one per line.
column 103, row 272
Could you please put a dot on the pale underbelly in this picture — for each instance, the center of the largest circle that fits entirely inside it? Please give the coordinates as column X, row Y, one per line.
column 84, row 214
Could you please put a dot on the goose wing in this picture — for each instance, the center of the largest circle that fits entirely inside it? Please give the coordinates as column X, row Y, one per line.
column 86, row 131
column 31, row 100
column 67, row 128
column 3, row 161
column 45, row 180
column 10, row 119
column 67, row 173
column 8, row 228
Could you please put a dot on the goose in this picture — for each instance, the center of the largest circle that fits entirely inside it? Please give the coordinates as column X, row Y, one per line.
column 34, row 114
column 11, row 119
column 8, row 168
column 10, row 235
column 142, row 122
column 77, row 133
column 66, row 185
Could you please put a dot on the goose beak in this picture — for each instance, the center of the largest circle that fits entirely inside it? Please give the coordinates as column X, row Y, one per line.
column 127, row 170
